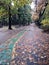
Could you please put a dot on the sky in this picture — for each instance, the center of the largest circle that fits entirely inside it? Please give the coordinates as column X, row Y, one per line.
column 32, row 5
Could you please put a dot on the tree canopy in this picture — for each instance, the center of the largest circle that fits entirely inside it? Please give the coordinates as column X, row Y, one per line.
column 17, row 3
column 10, row 7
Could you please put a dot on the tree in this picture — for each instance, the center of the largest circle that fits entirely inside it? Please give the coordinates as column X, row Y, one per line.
column 12, row 9
column 24, row 15
column 45, row 21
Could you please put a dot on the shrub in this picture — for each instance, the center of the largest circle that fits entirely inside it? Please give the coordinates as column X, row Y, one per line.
column 45, row 24
column 24, row 15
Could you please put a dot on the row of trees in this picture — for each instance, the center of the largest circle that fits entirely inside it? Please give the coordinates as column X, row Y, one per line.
column 10, row 9
column 41, row 16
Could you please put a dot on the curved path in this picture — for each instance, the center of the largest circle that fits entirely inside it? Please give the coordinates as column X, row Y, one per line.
column 7, row 41
column 32, row 48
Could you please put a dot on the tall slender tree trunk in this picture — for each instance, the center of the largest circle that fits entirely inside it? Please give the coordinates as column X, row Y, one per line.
column 10, row 18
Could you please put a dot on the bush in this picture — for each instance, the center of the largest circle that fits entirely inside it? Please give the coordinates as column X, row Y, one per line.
column 24, row 15
column 45, row 24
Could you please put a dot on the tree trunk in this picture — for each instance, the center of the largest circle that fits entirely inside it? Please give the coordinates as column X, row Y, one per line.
column 10, row 18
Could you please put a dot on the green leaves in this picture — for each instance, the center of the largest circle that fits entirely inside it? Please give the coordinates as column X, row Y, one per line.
column 17, row 4
column 4, row 9
column 3, row 12
column 5, row 1
column 24, row 15
column 45, row 21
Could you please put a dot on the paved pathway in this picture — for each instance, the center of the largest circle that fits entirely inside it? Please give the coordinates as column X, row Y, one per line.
column 6, row 34
column 7, row 40
column 32, row 48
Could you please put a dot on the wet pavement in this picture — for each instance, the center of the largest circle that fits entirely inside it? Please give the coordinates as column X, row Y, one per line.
column 33, row 48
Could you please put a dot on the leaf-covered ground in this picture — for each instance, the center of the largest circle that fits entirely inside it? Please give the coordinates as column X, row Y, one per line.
column 33, row 48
